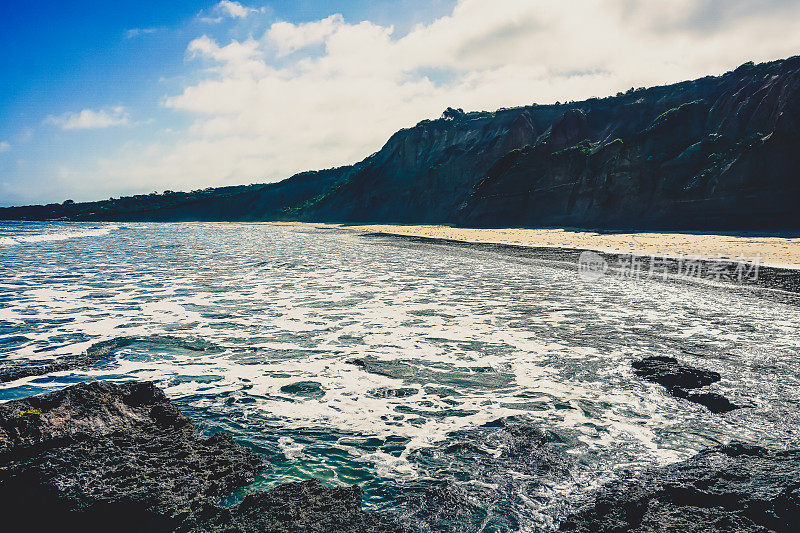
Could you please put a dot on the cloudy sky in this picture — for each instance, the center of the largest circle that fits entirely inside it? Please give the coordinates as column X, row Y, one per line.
column 137, row 96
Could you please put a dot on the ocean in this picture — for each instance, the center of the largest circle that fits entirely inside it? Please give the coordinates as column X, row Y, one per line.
column 357, row 359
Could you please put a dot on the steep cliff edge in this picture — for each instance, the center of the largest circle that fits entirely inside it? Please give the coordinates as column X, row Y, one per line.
column 723, row 155
column 713, row 153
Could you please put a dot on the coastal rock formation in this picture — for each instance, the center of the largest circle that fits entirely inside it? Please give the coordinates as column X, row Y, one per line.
column 713, row 153
column 99, row 456
column 308, row 507
column 728, row 488
column 717, row 153
column 679, row 379
column 96, row 353
column 481, row 479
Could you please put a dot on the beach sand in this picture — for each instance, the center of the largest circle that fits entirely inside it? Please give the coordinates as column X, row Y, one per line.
column 782, row 252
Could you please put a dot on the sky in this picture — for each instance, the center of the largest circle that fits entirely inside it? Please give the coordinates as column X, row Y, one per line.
column 102, row 99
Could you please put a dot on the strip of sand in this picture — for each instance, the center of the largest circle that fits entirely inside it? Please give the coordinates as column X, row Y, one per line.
column 776, row 251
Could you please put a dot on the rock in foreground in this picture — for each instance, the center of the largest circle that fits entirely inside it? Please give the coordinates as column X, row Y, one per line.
column 100, row 456
column 680, row 379
column 728, row 488
column 486, row 478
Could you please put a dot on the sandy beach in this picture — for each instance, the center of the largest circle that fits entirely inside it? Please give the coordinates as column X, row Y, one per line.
column 781, row 252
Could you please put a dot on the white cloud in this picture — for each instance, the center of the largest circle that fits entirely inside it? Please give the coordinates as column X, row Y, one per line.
column 234, row 9
column 329, row 92
column 227, row 9
column 89, row 119
column 4, row 147
column 289, row 37
column 135, row 32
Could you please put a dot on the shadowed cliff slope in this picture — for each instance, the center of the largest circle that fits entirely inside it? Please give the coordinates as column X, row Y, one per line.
column 715, row 153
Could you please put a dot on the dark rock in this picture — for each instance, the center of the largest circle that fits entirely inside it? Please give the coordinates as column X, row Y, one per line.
column 479, row 479
column 727, row 488
column 679, row 379
column 99, row 456
column 16, row 371
column 369, row 366
column 716, row 403
column 307, row 506
column 97, row 353
column 570, row 129
column 667, row 371
column 305, row 389
column 438, row 505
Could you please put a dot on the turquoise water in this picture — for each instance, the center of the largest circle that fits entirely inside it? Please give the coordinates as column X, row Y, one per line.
column 251, row 329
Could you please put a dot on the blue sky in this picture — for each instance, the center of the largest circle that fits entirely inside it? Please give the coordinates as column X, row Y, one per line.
column 112, row 98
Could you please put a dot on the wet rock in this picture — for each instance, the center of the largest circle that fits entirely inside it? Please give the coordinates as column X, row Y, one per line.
column 369, row 366
column 728, row 488
column 307, row 506
column 97, row 353
column 102, row 453
column 680, row 379
column 716, row 403
column 389, row 392
column 480, row 479
column 667, row 371
column 305, row 389
column 14, row 372
column 99, row 456
column 437, row 505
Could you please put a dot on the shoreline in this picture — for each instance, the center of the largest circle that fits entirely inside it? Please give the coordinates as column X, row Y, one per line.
column 144, row 464
column 774, row 251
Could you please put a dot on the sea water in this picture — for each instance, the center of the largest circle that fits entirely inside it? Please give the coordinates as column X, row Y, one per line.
column 253, row 329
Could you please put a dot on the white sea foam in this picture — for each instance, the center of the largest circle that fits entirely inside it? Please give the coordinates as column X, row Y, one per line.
column 467, row 337
column 60, row 235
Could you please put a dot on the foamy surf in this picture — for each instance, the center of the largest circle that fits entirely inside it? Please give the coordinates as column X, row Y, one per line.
column 51, row 236
column 344, row 358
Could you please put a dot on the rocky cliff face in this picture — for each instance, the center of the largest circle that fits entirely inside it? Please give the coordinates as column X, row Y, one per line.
column 714, row 153
column 423, row 174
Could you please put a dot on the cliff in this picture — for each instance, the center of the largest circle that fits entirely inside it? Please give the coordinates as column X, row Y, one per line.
column 718, row 153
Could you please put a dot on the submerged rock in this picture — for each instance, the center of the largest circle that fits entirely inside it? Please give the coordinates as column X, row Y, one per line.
column 370, row 367
column 97, row 353
column 481, row 479
column 679, row 379
column 307, row 506
column 669, row 372
column 99, row 456
column 727, row 488
column 304, row 389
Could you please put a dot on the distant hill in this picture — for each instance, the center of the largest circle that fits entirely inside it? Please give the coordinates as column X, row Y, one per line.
column 718, row 153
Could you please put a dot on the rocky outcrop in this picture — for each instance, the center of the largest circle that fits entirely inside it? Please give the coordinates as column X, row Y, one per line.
column 717, row 153
column 728, row 488
column 680, row 380
column 308, row 507
column 99, row 456
column 481, row 479
column 97, row 353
